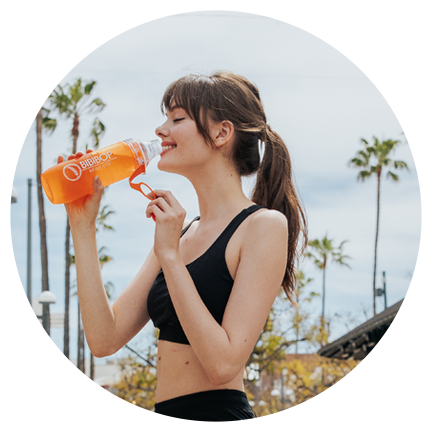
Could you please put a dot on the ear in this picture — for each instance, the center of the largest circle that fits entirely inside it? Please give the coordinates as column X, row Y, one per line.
column 223, row 133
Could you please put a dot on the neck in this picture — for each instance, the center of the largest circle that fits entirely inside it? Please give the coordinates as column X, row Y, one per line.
column 220, row 193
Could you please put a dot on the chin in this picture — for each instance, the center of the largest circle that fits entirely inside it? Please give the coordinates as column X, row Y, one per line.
column 165, row 167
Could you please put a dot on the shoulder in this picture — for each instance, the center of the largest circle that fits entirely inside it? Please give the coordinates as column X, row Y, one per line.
column 266, row 229
column 268, row 220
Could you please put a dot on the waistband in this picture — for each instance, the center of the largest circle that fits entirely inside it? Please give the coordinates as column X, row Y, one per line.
column 208, row 397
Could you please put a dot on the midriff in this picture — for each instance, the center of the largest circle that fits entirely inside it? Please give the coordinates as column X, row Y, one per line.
column 180, row 373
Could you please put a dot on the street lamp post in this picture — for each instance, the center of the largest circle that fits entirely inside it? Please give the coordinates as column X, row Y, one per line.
column 45, row 299
column 14, row 196
column 382, row 291
column 29, row 288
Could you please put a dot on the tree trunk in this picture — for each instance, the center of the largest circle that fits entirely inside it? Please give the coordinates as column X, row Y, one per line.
column 42, row 220
column 91, row 366
column 79, row 356
column 68, row 259
column 376, row 239
column 323, row 297
column 82, row 351
column 67, row 291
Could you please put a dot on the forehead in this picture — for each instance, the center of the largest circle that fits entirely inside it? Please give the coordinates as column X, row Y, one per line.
column 173, row 108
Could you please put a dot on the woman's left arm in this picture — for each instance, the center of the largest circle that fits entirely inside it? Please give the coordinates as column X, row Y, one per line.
column 223, row 349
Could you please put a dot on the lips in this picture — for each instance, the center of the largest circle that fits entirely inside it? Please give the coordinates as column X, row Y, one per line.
column 167, row 146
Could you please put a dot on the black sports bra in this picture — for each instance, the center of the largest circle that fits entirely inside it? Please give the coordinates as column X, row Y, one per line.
column 212, row 280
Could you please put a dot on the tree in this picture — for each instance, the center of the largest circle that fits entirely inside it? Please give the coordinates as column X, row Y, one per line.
column 302, row 330
column 377, row 154
column 138, row 380
column 43, row 122
column 73, row 102
column 285, row 326
column 321, row 251
column 296, row 379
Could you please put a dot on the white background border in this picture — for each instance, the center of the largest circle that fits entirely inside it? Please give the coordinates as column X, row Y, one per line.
column 42, row 41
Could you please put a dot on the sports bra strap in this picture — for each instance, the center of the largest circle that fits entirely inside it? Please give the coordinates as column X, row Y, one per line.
column 188, row 225
column 233, row 225
column 236, row 222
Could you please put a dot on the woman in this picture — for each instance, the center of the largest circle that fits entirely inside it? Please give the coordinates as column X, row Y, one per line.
column 208, row 285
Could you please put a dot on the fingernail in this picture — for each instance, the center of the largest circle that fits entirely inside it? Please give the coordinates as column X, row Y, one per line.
column 98, row 181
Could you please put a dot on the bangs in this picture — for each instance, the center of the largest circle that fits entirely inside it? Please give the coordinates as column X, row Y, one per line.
column 193, row 93
column 188, row 93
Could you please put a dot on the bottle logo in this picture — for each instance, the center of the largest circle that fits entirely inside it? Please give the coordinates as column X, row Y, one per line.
column 72, row 172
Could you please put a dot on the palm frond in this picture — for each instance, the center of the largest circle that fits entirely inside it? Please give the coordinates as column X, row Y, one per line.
column 97, row 102
column 97, row 132
column 363, row 175
column 358, row 162
column 400, row 165
column 76, row 92
column 89, row 87
column 393, row 176
column 49, row 124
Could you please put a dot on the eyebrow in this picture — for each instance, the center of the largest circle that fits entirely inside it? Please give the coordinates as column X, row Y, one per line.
column 172, row 108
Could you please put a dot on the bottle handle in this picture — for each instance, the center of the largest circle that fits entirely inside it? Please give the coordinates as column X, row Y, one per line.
column 137, row 186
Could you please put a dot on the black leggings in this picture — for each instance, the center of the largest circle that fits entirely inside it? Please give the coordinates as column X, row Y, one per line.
column 211, row 405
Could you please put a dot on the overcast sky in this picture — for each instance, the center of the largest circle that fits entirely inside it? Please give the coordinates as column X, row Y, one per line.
column 315, row 98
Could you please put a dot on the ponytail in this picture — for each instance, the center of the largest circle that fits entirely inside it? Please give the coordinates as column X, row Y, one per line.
column 275, row 189
column 228, row 96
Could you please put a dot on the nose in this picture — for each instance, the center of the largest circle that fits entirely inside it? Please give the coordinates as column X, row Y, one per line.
column 161, row 131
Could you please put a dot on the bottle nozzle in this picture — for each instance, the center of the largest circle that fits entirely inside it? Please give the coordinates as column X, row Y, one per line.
column 153, row 148
column 145, row 151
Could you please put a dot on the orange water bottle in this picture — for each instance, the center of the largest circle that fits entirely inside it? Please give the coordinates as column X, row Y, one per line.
column 73, row 179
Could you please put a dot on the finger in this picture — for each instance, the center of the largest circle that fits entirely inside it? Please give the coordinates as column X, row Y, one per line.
column 71, row 157
column 154, row 211
column 60, row 159
column 160, row 203
column 79, row 154
column 171, row 200
column 89, row 150
column 98, row 187
column 167, row 195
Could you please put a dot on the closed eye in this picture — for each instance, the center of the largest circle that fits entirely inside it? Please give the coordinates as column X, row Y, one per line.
column 177, row 120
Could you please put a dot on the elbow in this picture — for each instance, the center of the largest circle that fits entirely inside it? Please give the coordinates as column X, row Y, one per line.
column 101, row 350
column 99, row 353
column 220, row 375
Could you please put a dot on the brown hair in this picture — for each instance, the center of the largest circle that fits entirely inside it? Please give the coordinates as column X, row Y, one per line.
column 228, row 96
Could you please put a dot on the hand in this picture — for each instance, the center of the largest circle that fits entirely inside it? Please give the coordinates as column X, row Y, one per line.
column 83, row 211
column 170, row 216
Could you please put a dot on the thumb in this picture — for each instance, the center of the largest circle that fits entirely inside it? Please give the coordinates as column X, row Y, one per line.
column 98, row 188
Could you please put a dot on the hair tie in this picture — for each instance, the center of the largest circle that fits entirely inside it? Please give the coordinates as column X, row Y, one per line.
column 264, row 133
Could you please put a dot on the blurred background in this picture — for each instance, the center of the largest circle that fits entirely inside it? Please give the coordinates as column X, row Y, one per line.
column 320, row 103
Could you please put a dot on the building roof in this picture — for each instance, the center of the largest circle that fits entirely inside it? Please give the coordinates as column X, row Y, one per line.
column 358, row 343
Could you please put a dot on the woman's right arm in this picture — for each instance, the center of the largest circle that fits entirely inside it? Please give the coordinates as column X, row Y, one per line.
column 107, row 328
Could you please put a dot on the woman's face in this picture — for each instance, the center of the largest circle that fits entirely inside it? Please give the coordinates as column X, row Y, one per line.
column 183, row 146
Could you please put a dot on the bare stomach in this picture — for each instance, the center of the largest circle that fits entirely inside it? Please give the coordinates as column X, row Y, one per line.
column 181, row 373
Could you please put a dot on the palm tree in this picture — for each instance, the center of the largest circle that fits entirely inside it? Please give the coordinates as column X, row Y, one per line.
column 300, row 317
column 43, row 122
column 73, row 102
column 321, row 251
column 379, row 151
